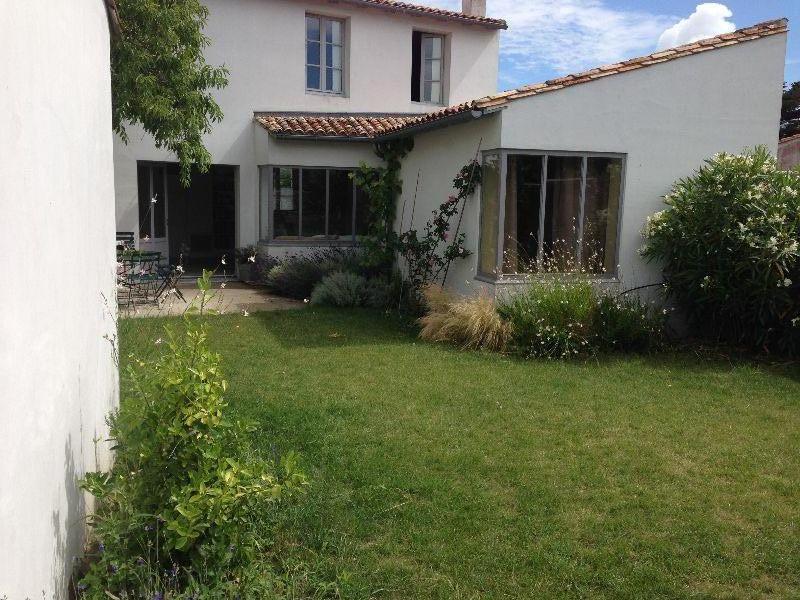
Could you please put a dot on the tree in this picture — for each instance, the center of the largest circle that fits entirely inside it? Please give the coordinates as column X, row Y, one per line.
column 160, row 79
column 790, row 110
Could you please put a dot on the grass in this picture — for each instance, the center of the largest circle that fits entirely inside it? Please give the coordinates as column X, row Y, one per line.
column 446, row 474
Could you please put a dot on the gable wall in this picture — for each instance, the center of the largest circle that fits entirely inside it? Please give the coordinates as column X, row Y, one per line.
column 668, row 118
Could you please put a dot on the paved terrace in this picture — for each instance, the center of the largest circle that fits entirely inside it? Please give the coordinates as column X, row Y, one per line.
column 235, row 297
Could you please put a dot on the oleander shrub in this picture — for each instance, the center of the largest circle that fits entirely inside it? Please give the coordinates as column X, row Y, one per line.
column 552, row 317
column 470, row 323
column 626, row 324
column 728, row 243
column 185, row 510
column 341, row 289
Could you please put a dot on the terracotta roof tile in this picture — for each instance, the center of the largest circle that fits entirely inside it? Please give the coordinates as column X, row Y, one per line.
column 351, row 126
column 430, row 11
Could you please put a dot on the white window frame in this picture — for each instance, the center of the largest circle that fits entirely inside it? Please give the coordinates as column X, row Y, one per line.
column 323, row 54
column 423, row 61
column 266, row 225
column 501, row 217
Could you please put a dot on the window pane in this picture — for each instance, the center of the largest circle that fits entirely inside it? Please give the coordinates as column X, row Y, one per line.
column 312, row 78
column 561, row 213
column 490, row 214
column 286, row 199
column 143, row 177
column 313, row 202
column 436, row 47
column 427, row 91
column 436, row 93
column 340, row 217
column 333, row 32
column 160, row 206
column 333, row 80
column 523, row 201
column 263, row 200
column 432, row 47
column 601, row 214
column 334, row 56
column 312, row 28
column 312, row 53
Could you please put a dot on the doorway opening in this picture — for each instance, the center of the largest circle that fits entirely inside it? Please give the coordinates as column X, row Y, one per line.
column 196, row 224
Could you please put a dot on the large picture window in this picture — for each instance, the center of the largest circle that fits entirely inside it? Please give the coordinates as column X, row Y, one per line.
column 311, row 204
column 324, row 54
column 558, row 212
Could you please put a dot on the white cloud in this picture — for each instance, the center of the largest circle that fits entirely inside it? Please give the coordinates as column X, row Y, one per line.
column 707, row 20
column 566, row 36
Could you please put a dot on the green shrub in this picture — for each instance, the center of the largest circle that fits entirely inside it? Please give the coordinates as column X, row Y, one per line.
column 626, row 324
column 297, row 276
column 470, row 323
column 182, row 512
column 552, row 318
column 729, row 246
column 340, row 289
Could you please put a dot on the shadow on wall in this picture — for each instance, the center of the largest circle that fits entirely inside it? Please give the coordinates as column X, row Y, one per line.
column 67, row 528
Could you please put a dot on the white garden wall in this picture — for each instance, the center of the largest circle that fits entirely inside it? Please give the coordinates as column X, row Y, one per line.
column 57, row 377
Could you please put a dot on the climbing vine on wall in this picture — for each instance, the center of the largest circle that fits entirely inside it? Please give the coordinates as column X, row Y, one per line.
column 383, row 185
column 428, row 254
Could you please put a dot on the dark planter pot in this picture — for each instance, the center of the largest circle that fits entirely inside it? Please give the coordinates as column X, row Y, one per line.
column 245, row 271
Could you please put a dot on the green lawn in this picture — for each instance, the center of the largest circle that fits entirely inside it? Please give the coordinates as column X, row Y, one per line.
column 442, row 474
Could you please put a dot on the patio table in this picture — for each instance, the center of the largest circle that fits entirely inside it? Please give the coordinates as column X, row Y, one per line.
column 139, row 276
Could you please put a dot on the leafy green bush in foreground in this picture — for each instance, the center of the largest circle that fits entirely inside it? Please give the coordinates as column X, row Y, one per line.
column 184, row 512
column 729, row 243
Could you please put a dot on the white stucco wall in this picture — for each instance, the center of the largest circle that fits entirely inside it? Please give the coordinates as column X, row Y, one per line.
column 667, row 118
column 57, row 377
column 437, row 158
column 262, row 42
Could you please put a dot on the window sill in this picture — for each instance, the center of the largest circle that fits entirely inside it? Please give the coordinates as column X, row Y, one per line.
column 313, row 92
column 523, row 279
column 293, row 242
column 428, row 104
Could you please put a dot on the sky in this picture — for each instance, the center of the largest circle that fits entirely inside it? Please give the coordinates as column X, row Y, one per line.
column 549, row 38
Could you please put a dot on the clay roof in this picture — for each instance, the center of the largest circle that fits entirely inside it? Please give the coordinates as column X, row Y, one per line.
column 502, row 99
column 356, row 126
column 789, row 138
column 429, row 11
column 321, row 125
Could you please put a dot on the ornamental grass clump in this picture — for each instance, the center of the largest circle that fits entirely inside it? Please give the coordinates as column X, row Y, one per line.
column 470, row 323
column 729, row 247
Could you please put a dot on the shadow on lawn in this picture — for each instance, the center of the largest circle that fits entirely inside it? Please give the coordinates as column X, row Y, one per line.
column 327, row 327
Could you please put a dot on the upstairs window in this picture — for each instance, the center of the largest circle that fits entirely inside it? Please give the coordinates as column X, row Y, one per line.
column 324, row 54
column 427, row 71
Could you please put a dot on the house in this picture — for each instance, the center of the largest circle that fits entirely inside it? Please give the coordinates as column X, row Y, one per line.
column 789, row 152
column 57, row 317
column 575, row 164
